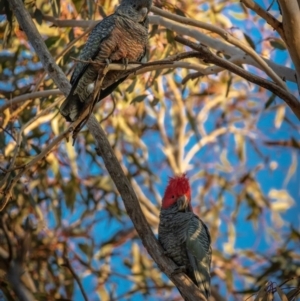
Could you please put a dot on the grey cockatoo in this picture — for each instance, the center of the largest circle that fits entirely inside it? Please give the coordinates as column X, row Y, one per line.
column 183, row 235
column 120, row 37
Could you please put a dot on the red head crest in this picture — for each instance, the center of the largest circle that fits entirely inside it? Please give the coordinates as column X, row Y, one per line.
column 177, row 187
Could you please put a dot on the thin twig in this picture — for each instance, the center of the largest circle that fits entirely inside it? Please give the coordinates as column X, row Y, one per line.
column 112, row 110
column 130, row 67
column 32, row 95
column 8, row 133
column 192, row 76
column 68, row 265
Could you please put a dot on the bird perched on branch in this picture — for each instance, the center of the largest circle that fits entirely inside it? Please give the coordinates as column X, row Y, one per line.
column 120, row 38
column 183, row 235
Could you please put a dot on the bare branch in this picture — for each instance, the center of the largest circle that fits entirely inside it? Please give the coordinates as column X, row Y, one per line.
column 207, row 55
column 282, row 71
column 32, row 95
column 227, row 37
column 69, row 23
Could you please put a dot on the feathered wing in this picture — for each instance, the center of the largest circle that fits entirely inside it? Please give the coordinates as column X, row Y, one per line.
column 90, row 50
column 199, row 254
column 72, row 105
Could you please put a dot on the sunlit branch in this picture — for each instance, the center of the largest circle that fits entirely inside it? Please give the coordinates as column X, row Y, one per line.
column 168, row 148
column 181, row 124
column 210, row 138
column 27, row 96
column 219, row 45
column 208, row 56
column 291, row 23
column 228, row 38
column 282, row 71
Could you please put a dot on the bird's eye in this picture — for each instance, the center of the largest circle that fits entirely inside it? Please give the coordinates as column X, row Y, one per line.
column 173, row 196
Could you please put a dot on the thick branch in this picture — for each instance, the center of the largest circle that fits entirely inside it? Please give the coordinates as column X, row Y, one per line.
column 187, row 287
column 205, row 54
column 291, row 23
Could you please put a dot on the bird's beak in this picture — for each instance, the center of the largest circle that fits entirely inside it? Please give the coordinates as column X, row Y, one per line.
column 183, row 203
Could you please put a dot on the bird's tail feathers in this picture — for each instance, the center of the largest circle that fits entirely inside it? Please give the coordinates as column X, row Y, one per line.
column 71, row 107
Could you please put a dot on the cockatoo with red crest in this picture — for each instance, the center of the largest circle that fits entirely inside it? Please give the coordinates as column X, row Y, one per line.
column 183, row 234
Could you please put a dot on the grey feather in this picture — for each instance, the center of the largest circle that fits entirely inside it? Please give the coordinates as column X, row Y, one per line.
column 91, row 48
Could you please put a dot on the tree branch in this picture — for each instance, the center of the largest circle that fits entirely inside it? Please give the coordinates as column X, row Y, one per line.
column 284, row 72
column 68, row 265
column 187, row 287
column 32, row 95
column 266, row 16
column 227, row 37
column 209, row 57
column 291, row 23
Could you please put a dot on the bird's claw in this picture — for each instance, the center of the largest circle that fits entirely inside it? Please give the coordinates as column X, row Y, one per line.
column 125, row 62
column 107, row 62
column 105, row 69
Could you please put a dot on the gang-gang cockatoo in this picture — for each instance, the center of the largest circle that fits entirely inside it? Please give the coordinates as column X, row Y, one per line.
column 183, row 235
